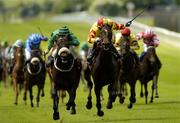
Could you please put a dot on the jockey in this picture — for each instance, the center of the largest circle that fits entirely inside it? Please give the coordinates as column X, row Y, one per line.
column 94, row 34
column 149, row 39
column 18, row 43
column 33, row 42
column 62, row 32
column 84, row 50
column 126, row 35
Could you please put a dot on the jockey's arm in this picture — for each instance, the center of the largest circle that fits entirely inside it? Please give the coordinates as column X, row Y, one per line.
column 74, row 41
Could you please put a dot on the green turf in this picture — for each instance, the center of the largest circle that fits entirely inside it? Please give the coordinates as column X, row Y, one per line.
column 166, row 109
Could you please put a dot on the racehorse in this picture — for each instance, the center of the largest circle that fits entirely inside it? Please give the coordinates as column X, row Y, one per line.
column 35, row 74
column 18, row 72
column 66, row 72
column 104, row 68
column 149, row 70
column 129, row 71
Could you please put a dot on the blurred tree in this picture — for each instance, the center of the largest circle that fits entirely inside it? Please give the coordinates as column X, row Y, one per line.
column 47, row 6
column 3, row 11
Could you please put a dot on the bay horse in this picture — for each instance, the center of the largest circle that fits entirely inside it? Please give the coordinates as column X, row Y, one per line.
column 35, row 74
column 18, row 72
column 66, row 72
column 129, row 71
column 149, row 70
column 104, row 69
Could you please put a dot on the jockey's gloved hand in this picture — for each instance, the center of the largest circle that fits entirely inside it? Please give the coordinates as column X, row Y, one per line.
column 97, row 40
column 128, row 23
column 44, row 38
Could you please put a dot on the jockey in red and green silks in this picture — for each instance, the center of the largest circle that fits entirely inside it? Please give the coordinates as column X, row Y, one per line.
column 73, row 42
column 94, row 34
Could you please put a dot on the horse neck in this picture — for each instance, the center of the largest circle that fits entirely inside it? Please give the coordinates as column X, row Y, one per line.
column 19, row 58
column 128, row 62
column 105, row 56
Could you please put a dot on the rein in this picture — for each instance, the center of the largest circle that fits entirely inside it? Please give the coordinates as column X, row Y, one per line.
column 30, row 72
column 63, row 70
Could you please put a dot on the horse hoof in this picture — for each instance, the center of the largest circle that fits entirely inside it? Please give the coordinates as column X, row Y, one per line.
column 100, row 113
column 56, row 116
column 130, row 106
column 89, row 105
column 141, row 95
column 42, row 95
column 73, row 111
column 109, row 105
column 151, row 101
column 15, row 103
column 122, row 100
column 24, row 98
column 68, row 107
column 157, row 96
column 32, row 105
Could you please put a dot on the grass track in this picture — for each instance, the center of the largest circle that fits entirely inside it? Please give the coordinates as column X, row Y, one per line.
column 166, row 109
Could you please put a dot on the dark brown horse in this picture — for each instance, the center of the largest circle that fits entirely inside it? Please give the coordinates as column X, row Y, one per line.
column 18, row 72
column 35, row 74
column 149, row 70
column 65, row 75
column 129, row 71
column 104, row 69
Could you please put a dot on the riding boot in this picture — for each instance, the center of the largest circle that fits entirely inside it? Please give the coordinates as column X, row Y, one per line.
column 50, row 61
column 142, row 56
column 115, row 52
column 91, row 54
column 10, row 68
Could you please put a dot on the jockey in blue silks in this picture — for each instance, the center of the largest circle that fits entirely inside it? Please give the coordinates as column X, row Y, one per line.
column 33, row 42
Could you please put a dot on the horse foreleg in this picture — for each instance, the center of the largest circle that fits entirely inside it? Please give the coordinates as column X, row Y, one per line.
column 133, row 95
column 55, row 104
column 121, row 95
column 15, row 86
column 146, row 92
column 38, row 96
column 90, row 86
column 98, row 101
column 42, row 94
column 71, row 102
column 155, row 81
column 111, row 98
column 141, row 93
column 25, row 93
column 31, row 96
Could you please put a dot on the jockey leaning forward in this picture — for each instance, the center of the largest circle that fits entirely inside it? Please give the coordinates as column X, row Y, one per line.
column 94, row 34
column 72, row 43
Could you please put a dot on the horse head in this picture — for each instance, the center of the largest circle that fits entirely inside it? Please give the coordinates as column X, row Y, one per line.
column 124, row 46
column 64, row 61
column 35, row 65
column 106, row 37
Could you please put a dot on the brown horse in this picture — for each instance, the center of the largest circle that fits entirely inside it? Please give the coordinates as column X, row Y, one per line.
column 149, row 70
column 18, row 72
column 35, row 74
column 66, row 72
column 129, row 72
column 104, row 69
